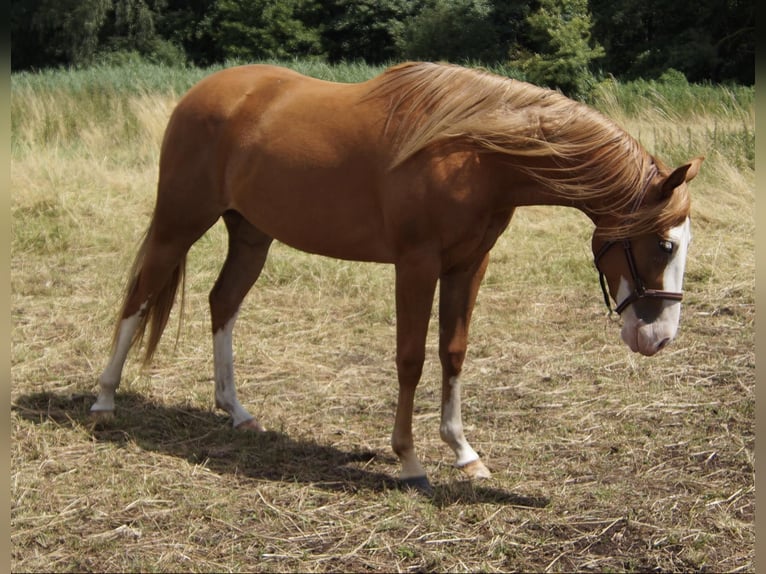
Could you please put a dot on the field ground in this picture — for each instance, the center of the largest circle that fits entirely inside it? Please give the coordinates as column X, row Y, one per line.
column 602, row 460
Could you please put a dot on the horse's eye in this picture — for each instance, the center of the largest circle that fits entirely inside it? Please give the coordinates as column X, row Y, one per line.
column 666, row 246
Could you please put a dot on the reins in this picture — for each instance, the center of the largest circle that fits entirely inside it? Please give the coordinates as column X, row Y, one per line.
column 639, row 289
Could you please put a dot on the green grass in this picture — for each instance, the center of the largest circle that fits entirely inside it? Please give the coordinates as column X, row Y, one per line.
column 52, row 105
column 677, row 119
column 602, row 460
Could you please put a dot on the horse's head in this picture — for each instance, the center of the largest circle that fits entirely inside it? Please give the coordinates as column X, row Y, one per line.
column 645, row 272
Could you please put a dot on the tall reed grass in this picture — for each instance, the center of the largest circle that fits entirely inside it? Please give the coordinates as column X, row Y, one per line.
column 674, row 117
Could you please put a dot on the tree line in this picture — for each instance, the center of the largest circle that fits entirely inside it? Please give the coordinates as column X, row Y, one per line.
column 561, row 43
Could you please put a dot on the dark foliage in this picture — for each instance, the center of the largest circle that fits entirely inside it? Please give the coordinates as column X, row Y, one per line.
column 706, row 40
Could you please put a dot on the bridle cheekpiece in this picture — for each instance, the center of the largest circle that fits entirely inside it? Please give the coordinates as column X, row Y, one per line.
column 639, row 289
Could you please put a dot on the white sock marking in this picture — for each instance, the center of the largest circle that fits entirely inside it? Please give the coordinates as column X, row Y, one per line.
column 451, row 428
column 225, row 389
column 110, row 378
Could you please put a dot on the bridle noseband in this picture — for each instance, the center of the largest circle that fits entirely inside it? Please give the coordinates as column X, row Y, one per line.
column 639, row 289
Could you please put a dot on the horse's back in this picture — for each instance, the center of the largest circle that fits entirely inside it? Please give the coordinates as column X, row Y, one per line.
column 289, row 152
column 213, row 103
column 260, row 108
column 220, row 94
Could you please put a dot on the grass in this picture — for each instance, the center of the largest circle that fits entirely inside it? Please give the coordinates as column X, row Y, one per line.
column 602, row 460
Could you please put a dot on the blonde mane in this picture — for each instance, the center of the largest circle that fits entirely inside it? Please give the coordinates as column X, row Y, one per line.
column 594, row 158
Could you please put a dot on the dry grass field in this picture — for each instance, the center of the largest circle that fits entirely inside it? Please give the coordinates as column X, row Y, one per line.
column 603, row 460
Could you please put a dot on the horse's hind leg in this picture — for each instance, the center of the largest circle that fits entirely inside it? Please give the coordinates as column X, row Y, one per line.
column 248, row 248
column 110, row 377
column 157, row 272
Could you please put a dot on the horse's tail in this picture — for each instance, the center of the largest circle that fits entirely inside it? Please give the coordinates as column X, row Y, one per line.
column 155, row 311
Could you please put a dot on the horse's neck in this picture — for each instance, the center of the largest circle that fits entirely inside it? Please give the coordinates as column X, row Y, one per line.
column 517, row 188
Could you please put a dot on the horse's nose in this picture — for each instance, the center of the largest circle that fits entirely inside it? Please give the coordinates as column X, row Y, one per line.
column 662, row 344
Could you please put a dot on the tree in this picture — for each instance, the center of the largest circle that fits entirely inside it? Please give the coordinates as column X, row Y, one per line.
column 547, row 40
column 48, row 33
column 131, row 29
column 704, row 39
column 508, row 20
column 734, row 38
column 55, row 32
column 452, row 30
column 260, row 29
column 562, row 52
column 369, row 30
column 183, row 22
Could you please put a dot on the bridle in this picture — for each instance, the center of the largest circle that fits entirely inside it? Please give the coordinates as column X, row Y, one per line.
column 639, row 289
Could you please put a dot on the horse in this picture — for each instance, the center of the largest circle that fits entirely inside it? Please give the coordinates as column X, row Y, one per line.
column 420, row 167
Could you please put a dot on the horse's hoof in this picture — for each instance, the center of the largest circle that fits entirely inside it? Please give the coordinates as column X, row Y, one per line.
column 476, row 469
column 250, row 425
column 419, row 484
column 101, row 416
column 100, row 419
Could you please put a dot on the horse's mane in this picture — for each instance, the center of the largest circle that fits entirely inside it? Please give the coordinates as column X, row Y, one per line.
column 595, row 159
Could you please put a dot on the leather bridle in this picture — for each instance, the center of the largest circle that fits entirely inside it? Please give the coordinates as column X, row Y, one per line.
column 639, row 289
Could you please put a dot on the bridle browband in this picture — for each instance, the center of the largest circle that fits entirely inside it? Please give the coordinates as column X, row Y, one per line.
column 639, row 290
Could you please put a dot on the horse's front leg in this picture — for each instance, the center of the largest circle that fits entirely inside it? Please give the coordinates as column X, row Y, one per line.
column 458, row 290
column 416, row 280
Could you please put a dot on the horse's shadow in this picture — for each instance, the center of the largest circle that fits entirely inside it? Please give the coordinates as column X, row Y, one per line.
column 203, row 437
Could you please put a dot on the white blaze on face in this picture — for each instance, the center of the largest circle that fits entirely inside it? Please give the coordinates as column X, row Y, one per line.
column 648, row 338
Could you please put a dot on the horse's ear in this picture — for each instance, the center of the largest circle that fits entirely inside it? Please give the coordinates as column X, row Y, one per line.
column 683, row 174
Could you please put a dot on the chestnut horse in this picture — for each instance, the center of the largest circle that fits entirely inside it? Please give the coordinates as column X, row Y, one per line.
column 421, row 167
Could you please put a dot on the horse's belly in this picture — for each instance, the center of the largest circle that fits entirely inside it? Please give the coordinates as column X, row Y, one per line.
column 319, row 217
